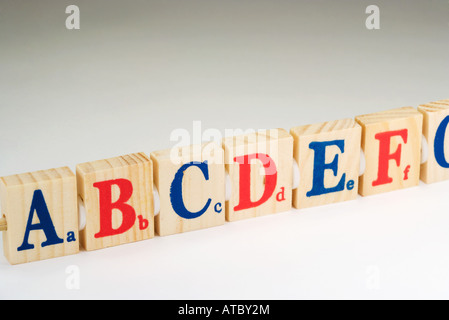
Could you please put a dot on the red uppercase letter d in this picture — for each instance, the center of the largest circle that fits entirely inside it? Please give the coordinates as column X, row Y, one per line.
column 106, row 207
column 245, row 180
column 385, row 156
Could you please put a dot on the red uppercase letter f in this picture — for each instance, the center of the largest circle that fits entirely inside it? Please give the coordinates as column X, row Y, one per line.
column 106, row 207
column 385, row 156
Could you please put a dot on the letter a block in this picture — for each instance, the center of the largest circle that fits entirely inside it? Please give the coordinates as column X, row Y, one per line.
column 328, row 156
column 118, row 197
column 260, row 169
column 436, row 120
column 391, row 141
column 41, row 212
column 191, row 185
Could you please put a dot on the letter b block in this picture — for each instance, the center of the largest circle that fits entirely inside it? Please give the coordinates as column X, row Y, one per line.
column 391, row 141
column 191, row 185
column 41, row 212
column 328, row 156
column 118, row 197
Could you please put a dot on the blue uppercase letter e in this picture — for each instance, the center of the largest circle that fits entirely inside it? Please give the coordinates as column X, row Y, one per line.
column 320, row 166
column 45, row 224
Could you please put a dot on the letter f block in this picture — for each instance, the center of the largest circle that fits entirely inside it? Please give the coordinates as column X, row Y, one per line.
column 391, row 141
column 118, row 198
column 328, row 156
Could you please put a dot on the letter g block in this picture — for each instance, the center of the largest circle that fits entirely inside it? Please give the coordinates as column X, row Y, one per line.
column 435, row 130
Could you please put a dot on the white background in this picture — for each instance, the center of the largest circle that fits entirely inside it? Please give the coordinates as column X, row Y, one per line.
column 137, row 70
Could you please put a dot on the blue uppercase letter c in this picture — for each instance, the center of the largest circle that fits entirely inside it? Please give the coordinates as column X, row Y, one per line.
column 320, row 166
column 176, row 199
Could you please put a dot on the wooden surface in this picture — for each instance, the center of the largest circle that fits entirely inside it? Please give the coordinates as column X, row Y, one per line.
column 58, row 187
column 135, row 168
column 405, row 120
column 196, row 189
column 348, row 134
column 278, row 145
column 3, row 225
column 434, row 113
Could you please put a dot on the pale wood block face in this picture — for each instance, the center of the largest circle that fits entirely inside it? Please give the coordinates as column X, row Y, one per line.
column 260, row 169
column 328, row 156
column 118, row 197
column 191, row 185
column 436, row 168
column 391, row 141
column 41, row 212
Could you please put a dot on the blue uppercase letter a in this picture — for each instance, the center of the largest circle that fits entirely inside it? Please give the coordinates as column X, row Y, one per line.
column 45, row 224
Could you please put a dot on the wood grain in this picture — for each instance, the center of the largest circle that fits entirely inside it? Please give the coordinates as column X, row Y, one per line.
column 278, row 145
column 136, row 168
column 196, row 189
column 400, row 119
column 346, row 130
column 58, row 187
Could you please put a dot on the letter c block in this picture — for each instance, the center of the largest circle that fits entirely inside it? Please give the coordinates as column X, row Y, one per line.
column 391, row 141
column 118, row 197
column 191, row 185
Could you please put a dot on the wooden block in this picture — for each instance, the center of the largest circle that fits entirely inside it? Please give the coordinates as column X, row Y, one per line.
column 328, row 156
column 41, row 213
column 191, row 185
column 118, row 198
column 260, row 169
column 391, row 141
column 436, row 119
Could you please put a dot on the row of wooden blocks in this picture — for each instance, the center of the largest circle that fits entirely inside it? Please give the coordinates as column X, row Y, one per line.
column 133, row 197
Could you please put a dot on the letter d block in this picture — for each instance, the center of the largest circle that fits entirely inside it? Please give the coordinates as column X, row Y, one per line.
column 191, row 185
column 41, row 211
column 328, row 156
column 260, row 169
column 118, row 198
column 435, row 129
column 391, row 141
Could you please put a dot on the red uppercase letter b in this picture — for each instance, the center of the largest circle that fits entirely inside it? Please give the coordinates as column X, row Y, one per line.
column 106, row 207
column 385, row 156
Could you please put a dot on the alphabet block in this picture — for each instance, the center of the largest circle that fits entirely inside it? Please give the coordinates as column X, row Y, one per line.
column 118, row 198
column 191, row 185
column 41, row 213
column 391, row 141
column 260, row 169
column 436, row 119
column 328, row 156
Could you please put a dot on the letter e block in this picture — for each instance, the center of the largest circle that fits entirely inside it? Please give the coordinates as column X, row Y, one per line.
column 391, row 141
column 436, row 120
column 328, row 156
column 191, row 185
column 118, row 198
column 260, row 169
column 41, row 212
